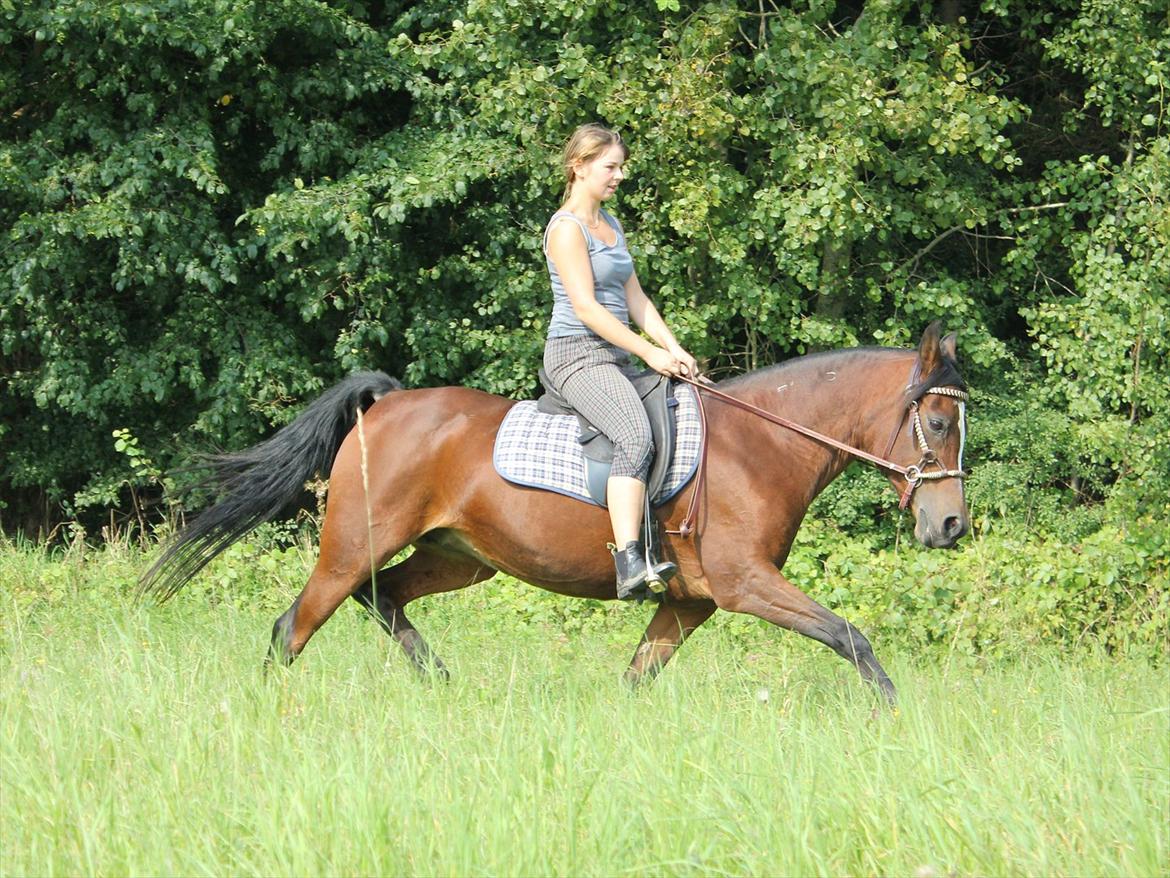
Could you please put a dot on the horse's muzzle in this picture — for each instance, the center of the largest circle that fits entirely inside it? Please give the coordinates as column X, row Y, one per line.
column 940, row 533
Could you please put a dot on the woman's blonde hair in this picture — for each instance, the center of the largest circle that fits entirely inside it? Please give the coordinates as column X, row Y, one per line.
column 587, row 143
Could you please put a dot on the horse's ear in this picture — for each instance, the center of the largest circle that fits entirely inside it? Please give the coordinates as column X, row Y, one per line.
column 929, row 355
column 949, row 346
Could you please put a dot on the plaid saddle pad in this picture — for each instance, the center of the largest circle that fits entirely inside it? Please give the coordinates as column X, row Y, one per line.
column 542, row 451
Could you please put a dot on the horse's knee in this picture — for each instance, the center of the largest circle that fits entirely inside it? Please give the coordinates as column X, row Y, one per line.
column 748, row 602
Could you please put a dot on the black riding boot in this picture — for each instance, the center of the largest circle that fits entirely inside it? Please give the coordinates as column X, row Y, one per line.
column 638, row 571
column 631, row 571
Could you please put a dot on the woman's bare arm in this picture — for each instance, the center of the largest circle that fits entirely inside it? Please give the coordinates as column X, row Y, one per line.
column 644, row 313
column 568, row 252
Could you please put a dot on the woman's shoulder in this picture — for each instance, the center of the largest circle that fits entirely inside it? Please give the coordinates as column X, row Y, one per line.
column 556, row 219
column 561, row 222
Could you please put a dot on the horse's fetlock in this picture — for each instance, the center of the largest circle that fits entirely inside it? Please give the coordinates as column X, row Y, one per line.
column 852, row 644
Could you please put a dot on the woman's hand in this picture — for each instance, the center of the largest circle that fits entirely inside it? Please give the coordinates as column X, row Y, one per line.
column 664, row 363
column 689, row 368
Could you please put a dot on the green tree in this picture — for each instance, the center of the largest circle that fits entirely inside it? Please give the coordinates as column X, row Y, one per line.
column 211, row 210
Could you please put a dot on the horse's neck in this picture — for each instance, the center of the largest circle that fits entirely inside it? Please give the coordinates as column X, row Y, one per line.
column 848, row 398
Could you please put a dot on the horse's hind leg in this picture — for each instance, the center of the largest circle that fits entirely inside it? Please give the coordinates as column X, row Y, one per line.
column 322, row 594
column 425, row 572
column 767, row 594
column 668, row 628
column 343, row 565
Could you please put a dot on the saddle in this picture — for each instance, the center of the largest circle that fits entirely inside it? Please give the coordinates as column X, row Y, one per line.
column 657, row 395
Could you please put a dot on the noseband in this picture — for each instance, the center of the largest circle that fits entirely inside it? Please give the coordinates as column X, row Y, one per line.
column 929, row 467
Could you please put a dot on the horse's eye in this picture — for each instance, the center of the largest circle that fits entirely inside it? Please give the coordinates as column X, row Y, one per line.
column 937, row 425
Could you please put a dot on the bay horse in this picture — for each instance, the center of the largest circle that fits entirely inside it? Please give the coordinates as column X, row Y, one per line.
column 414, row 468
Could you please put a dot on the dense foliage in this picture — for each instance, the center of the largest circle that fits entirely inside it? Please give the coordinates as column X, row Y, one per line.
column 212, row 210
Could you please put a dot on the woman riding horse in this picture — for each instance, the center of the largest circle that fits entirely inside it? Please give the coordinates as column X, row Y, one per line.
column 587, row 353
column 414, row 468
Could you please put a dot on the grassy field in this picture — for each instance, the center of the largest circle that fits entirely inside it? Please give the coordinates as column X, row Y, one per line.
column 146, row 740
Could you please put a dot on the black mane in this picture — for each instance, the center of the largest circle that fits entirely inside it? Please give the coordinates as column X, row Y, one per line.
column 946, row 374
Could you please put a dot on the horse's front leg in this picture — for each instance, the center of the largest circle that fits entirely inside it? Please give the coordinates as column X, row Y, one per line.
column 762, row 591
column 669, row 627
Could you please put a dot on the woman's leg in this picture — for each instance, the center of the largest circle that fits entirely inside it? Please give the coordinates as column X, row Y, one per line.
column 604, row 395
column 624, row 496
column 590, row 375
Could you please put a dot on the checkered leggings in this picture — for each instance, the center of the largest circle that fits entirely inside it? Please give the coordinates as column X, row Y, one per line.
column 591, row 374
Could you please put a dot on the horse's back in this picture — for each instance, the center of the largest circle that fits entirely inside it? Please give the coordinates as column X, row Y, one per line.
column 440, row 413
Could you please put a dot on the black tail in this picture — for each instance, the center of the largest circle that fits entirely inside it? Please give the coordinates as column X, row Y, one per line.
column 259, row 483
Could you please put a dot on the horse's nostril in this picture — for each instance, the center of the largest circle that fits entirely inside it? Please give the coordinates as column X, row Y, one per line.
column 952, row 525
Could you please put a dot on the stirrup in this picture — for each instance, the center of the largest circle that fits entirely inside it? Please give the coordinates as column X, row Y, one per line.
column 657, row 572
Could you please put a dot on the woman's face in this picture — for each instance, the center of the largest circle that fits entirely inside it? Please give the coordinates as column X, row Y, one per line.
column 600, row 176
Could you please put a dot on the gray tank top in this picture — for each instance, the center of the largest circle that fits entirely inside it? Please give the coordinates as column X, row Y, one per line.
column 612, row 267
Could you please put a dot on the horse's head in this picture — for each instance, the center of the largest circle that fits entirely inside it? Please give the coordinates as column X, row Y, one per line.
column 929, row 442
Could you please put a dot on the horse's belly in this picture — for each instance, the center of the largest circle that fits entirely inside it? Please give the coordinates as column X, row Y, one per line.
column 580, row 576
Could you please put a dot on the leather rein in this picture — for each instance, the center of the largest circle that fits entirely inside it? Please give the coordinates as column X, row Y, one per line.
column 928, row 468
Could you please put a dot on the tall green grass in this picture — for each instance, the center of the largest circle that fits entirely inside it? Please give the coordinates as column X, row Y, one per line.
column 146, row 740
